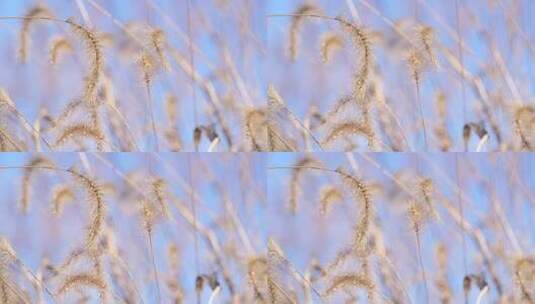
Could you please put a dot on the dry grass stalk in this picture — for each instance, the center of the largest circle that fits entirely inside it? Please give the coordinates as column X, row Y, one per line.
column 255, row 126
column 149, row 218
column 427, row 37
column 295, row 26
column 78, row 131
column 61, row 195
column 524, row 118
column 95, row 197
column 67, row 112
column 441, row 281
column 277, row 142
column 172, row 134
column 148, row 66
column 95, row 59
column 257, row 269
column 277, row 106
column 330, row 43
column 26, row 187
column 328, row 196
column 37, row 11
column 362, row 45
column 82, row 280
column 346, row 129
column 159, row 187
column 276, row 260
column 173, row 283
column 441, row 131
column 361, row 194
column 297, row 172
column 525, row 277
column 59, row 46
column 9, row 290
column 158, row 42
column 350, row 280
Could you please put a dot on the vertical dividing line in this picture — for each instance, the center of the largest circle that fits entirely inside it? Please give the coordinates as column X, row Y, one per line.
column 194, row 211
column 461, row 211
column 421, row 107
column 461, row 60
column 416, row 12
column 192, row 64
column 152, row 120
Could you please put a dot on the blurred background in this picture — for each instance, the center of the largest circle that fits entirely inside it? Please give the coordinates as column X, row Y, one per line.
column 482, row 231
column 207, row 72
column 489, row 44
column 196, row 193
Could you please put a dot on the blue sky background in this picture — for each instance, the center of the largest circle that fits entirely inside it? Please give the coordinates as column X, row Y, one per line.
column 258, row 47
column 309, row 81
column 237, row 26
column 309, row 235
column 262, row 199
column 39, row 234
column 260, row 196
